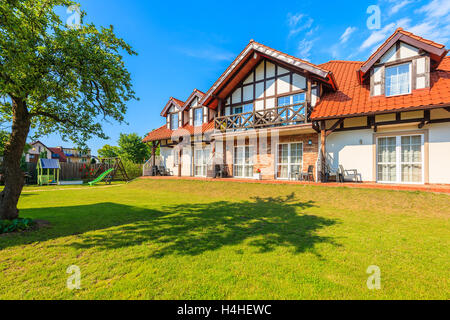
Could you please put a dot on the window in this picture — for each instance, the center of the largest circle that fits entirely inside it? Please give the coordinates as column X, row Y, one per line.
column 198, row 116
column 243, row 109
column 290, row 160
column 243, row 162
column 201, row 159
column 296, row 101
column 174, row 121
column 400, row 159
column 398, row 80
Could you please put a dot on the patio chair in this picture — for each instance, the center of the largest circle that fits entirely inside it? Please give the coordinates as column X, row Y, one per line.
column 220, row 171
column 295, row 175
column 332, row 174
column 349, row 175
column 163, row 171
column 308, row 176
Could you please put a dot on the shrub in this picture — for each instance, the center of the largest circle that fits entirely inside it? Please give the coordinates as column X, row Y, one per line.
column 7, row 226
column 133, row 170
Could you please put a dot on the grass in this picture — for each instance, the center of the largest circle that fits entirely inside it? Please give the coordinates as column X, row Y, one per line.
column 168, row 239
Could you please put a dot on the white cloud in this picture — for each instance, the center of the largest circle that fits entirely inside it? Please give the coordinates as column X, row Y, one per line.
column 298, row 22
column 436, row 9
column 304, row 49
column 346, row 35
column 398, row 5
column 379, row 36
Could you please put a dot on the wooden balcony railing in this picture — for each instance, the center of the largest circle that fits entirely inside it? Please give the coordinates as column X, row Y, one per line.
column 273, row 117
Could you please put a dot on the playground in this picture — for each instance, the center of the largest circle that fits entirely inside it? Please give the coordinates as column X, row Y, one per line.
column 108, row 170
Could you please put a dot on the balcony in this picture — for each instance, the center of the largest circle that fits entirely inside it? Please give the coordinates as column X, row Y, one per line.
column 273, row 117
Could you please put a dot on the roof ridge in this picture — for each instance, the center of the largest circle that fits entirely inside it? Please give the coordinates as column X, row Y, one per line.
column 343, row 61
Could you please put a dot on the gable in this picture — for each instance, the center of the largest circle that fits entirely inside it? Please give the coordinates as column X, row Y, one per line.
column 173, row 105
column 240, row 71
column 265, row 83
column 404, row 44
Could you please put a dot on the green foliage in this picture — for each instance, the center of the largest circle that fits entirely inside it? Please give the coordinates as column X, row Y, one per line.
column 43, row 155
column 134, row 170
column 108, row 151
column 132, row 148
column 68, row 78
column 7, row 226
column 4, row 137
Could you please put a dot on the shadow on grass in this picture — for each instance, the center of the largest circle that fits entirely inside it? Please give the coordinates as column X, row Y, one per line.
column 190, row 228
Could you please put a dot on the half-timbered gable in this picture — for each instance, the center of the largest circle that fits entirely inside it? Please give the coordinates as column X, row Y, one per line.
column 267, row 86
column 173, row 112
column 401, row 65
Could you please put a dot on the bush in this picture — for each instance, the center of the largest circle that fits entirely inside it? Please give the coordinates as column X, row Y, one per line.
column 133, row 170
column 7, row 226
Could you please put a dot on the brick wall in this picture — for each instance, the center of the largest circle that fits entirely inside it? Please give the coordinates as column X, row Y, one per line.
column 266, row 162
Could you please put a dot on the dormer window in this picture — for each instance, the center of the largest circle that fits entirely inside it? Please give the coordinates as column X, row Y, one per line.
column 198, row 117
column 398, row 80
column 174, row 121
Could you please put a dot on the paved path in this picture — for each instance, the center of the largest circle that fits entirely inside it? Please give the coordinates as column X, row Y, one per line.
column 438, row 188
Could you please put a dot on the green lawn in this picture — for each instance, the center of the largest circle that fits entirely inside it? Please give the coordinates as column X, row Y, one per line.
column 168, row 239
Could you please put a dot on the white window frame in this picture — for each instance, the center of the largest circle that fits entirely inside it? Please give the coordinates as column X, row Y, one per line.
column 398, row 157
column 194, row 116
column 203, row 164
column 172, row 122
column 410, row 79
column 250, row 164
column 289, row 164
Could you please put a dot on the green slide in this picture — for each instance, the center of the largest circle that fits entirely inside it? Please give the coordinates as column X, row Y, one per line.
column 100, row 177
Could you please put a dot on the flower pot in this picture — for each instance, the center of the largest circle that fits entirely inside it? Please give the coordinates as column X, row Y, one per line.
column 257, row 176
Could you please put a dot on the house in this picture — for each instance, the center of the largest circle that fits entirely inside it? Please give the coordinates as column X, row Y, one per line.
column 387, row 117
column 74, row 155
column 35, row 151
column 59, row 153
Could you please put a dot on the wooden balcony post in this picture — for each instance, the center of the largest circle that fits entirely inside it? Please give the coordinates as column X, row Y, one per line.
column 154, row 153
column 323, row 149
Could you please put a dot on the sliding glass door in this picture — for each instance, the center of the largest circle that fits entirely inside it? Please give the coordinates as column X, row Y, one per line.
column 289, row 160
column 243, row 162
column 400, row 159
column 201, row 158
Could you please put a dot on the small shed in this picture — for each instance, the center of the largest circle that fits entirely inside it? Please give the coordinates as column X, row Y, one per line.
column 48, row 171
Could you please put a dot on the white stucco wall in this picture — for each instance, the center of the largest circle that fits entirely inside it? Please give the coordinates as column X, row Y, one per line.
column 354, row 150
column 186, row 162
column 167, row 159
column 439, row 148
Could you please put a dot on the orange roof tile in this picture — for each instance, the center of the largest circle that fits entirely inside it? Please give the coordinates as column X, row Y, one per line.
column 163, row 133
column 354, row 99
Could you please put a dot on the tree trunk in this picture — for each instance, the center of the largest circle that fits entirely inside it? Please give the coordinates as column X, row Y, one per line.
column 14, row 177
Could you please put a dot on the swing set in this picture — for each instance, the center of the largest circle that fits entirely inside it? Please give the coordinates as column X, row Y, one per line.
column 110, row 169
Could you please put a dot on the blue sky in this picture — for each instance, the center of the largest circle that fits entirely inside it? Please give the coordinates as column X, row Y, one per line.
column 188, row 44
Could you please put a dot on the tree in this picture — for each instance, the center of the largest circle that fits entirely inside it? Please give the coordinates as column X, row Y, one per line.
column 55, row 78
column 108, row 151
column 43, row 155
column 132, row 148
